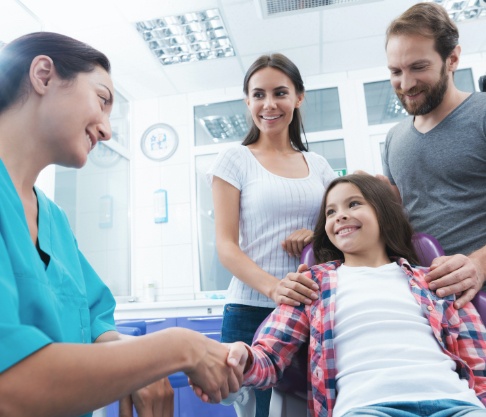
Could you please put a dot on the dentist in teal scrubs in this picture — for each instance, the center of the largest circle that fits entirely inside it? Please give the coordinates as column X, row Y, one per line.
column 60, row 354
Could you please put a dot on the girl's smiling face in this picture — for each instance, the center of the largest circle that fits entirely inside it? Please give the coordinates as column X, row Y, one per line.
column 352, row 226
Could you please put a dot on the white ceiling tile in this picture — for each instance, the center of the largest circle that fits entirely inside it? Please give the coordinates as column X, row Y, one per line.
column 353, row 54
column 146, row 85
column 306, row 58
column 252, row 35
column 205, row 75
column 153, row 9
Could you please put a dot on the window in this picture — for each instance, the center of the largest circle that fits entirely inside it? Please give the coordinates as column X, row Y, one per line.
column 220, row 122
column 333, row 151
column 213, row 275
column 96, row 200
column 321, row 110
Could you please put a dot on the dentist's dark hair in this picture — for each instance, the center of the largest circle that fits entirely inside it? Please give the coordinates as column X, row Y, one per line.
column 69, row 55
column 395, row 229
column 285, row 65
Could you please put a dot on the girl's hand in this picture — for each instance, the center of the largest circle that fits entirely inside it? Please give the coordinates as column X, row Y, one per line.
column 295, row 288
column 294, row 244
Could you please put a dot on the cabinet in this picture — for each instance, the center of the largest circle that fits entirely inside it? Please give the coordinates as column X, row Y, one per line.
column 186, row 403
column 189, row 404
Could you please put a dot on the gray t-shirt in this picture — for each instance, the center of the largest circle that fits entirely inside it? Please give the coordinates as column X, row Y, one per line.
column 441, row 175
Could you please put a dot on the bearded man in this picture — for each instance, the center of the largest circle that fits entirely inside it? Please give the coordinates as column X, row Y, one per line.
column 436, row 159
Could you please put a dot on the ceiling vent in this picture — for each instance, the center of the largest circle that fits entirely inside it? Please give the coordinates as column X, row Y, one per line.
column 277, row 8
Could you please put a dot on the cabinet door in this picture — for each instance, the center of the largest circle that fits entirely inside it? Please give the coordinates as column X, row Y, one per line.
column 154, row 325
column 210, row 326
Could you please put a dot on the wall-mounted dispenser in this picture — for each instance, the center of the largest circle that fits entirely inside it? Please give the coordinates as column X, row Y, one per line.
column 161, row 214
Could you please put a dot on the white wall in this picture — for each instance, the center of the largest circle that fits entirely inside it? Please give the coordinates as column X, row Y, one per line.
column 162, row 253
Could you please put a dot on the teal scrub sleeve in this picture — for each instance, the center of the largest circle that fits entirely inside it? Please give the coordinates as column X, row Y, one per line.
column 100, row 300
column 17, row 341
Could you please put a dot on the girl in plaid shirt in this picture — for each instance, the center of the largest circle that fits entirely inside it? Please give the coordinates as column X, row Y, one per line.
column 380, row 342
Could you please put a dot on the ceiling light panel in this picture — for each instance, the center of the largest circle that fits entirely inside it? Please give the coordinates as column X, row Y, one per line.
column 189, row 37
column 460, row 10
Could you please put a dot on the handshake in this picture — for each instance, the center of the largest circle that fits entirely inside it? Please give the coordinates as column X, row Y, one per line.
column 218, row 369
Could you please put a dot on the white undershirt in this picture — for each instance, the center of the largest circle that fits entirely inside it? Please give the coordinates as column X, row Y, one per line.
column 385, row 347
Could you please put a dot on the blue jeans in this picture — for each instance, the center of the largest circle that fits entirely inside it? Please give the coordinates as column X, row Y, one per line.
column 436, row 408
column 240, row 323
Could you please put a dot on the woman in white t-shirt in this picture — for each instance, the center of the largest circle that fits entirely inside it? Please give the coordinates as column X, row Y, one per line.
column 267, row 193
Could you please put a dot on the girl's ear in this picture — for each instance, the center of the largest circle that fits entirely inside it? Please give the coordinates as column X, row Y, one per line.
column 41, row 73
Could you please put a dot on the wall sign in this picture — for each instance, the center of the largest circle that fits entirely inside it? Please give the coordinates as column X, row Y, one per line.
column 159, row 142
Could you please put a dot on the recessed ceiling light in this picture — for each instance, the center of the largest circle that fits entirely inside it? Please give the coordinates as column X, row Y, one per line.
column 460, row 10
column 189, row 37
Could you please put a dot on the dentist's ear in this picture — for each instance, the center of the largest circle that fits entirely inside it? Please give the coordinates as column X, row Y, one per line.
column 41, row 72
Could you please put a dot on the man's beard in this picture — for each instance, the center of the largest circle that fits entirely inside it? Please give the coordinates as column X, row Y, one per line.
column 433, row 95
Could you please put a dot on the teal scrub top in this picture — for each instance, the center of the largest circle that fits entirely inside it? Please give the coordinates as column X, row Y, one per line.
column 65, row 301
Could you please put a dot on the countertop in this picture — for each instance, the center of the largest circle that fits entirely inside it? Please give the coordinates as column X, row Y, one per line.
column 165, row 309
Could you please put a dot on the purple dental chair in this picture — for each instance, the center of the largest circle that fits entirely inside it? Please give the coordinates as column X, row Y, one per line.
column 289, row 397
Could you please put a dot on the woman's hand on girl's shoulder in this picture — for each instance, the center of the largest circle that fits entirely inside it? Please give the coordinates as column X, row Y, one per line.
column 295, row 288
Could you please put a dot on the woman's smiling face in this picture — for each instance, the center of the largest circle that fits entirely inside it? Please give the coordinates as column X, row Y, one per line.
column 271, row 100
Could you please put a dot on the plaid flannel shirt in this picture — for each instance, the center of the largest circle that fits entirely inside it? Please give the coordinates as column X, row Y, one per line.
column 459, row 333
